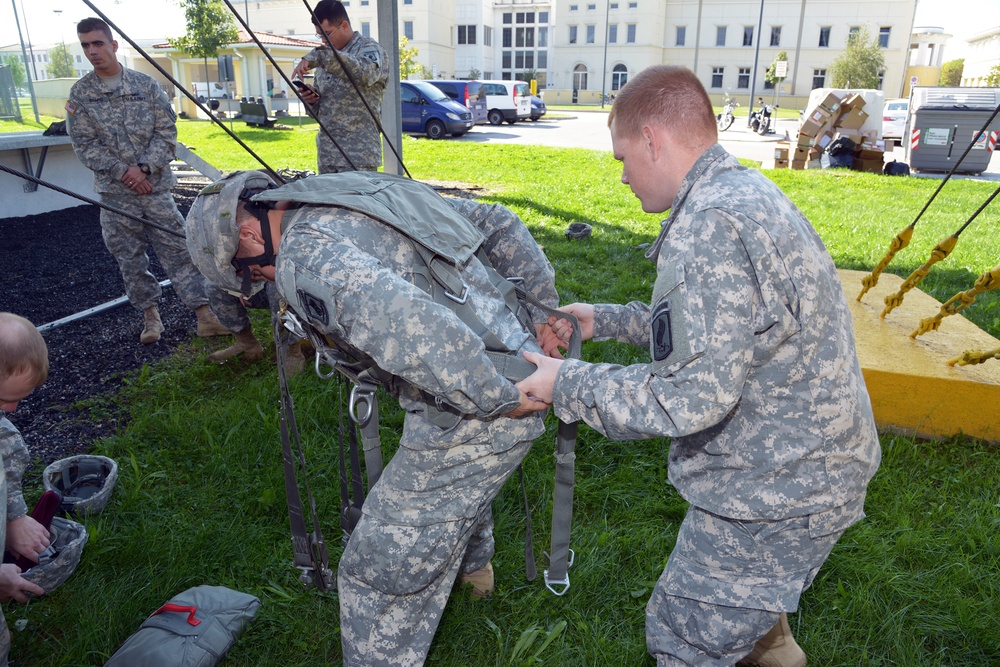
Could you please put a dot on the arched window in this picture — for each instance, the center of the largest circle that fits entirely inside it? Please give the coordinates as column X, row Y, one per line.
column 580, row 77
column 619, row 75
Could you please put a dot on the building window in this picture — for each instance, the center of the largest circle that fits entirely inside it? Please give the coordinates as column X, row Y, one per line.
column 591, row 7
column 681, row 35
column 572, row 34
column 543, row 17
column 487, row 35
column 507, row 17
column 529, row 60
column 507, row 38
column 366, row 29
column 883, row 36
column 543, row 36
column 630, row 36
column 591, row 34
column 743, row 78
column 613, row 33
column 519, row 37
column 505, row 59
column 854, row 30
column 580, row 77
column 717, row 73
column 78, row 59
column 776, row 35
column 519, row 17
column 408, row 30
column 748, row 35
column 529, row 17
column 614, row 5
column 881, row 79
column 633, row 5
column 543, row 59
column 405, row 2
column 720, row 35
column 466, row 34
column 819, row 78
column 768, row 85
column 529, row 37
column 573, row 8
column 619, row 75
column 824, row 36
column 364, row 3
column 519, row 59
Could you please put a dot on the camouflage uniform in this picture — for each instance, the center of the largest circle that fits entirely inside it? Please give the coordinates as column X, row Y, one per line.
column 429, row 515
column 111, row 131
column 754, row 375
column 341, row 111
column 15, row 461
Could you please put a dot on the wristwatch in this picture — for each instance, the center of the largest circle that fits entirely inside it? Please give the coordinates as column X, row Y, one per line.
column 144, row 168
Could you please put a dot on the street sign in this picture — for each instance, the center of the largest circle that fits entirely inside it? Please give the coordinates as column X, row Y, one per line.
column 780, row 69
column 913, row 81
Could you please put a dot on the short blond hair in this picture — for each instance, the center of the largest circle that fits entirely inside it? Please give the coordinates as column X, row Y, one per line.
column 22, row 349
column 669, row 96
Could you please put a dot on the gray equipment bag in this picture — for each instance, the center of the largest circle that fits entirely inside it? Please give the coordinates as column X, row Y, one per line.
column 194, row 629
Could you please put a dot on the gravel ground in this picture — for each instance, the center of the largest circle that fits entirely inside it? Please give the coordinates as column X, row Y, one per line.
column 54, row 265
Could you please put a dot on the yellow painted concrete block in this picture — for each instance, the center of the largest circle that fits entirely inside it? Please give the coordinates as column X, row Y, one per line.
column 912, row 387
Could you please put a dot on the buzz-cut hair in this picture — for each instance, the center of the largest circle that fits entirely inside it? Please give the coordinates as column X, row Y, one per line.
column 331, row 11
column 669, row 96
column 93, row 23
column 22, row 349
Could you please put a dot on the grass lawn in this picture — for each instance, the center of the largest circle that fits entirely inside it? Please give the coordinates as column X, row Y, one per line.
column 200, row 499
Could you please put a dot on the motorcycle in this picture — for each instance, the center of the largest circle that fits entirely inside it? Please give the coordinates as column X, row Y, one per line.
column 760, row 120
column 725, row 119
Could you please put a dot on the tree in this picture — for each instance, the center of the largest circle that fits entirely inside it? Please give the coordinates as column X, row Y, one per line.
column 210, row 26
column 61, row 62
column 861, row 62
column 474, row 74
column 951, row 72
column 769, row 75
column 993, row 78
column 16, row 69
column 407, row 59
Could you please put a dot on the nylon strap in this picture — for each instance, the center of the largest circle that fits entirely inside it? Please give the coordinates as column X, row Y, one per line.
column 309, row 550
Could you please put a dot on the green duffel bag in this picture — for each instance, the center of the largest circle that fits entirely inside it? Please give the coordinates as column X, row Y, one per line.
column 193, row 629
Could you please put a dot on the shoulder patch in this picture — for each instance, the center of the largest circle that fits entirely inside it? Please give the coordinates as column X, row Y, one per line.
column 661, row 335
column 70, row 107
column 314, row 307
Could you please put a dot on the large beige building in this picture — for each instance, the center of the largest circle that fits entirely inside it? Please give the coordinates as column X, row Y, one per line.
column 983, row 56
column 577, row 49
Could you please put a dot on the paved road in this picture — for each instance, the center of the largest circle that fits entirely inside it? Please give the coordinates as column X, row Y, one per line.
column 589, row 129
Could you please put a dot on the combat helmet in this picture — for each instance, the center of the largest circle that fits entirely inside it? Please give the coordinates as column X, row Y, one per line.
column 60, row 558
column 213, row 232
column 84, row 482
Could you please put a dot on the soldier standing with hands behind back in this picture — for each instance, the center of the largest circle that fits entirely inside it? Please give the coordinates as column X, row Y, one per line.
column 122, row 127
column 333, row 98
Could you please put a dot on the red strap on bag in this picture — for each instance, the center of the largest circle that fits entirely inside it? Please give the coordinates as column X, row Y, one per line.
column 176, row 607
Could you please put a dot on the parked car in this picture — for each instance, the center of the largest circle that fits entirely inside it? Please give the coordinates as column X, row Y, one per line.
column 467, row 93
column 506, row 101
column 894, row 115
column 537, row 107
column 426, row 109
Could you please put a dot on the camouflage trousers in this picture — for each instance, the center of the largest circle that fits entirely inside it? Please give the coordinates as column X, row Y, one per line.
column 427, row 519
column 727, row 581
column 330, row 160
column 231, row 311
column 4, row 630
column 127, row 240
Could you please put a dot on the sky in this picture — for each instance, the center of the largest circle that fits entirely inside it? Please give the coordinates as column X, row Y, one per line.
column 155, row 19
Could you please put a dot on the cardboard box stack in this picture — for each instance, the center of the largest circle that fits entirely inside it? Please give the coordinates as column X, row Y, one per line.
column 832, row 118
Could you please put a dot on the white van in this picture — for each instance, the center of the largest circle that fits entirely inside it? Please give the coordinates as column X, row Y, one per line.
column 506, row 100
column 209, row 90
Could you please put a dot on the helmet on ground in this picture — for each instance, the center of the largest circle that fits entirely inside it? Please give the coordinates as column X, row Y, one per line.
column 213, row 234
column 84, row 482
column 60, row 558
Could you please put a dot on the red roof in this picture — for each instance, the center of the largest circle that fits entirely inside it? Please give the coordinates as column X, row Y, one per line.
column 264, row 37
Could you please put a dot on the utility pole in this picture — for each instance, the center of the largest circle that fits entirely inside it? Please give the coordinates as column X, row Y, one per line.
column 24, row 55
column 756, row 56
column 607, row 31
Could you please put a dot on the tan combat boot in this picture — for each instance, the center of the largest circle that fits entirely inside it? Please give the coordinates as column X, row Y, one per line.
column 208, row 323
column 295, row 360
column 777, row 648
column 152, row 327
column 481, row 580
column 246, row 344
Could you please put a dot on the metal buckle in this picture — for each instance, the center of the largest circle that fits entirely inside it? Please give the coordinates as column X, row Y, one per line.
column 549, row 583
column 365, row 397
column 459, row 299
